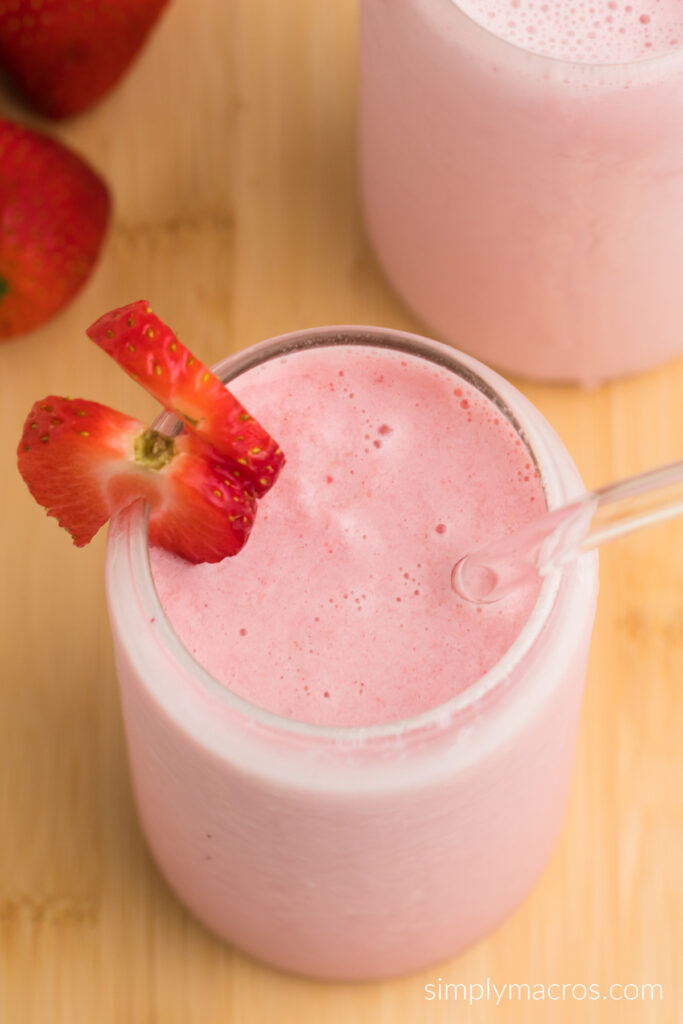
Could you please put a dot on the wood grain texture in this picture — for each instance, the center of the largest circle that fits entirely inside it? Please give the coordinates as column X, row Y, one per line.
column 230, row 151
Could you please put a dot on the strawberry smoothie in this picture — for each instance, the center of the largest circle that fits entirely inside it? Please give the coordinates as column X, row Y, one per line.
column 339, row 766
column 520, row 168
column 393, row 472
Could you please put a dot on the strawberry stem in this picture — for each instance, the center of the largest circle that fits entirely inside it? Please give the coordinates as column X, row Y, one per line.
column 154, row 450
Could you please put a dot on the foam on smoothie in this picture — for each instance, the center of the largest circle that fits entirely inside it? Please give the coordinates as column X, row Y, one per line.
column 339, row 609
column 591, row 31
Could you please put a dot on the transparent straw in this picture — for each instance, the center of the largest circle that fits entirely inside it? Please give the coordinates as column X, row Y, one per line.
column 491, row 572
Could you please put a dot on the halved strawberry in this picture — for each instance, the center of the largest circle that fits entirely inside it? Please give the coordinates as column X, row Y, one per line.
column 84, row 462
column 150, row 352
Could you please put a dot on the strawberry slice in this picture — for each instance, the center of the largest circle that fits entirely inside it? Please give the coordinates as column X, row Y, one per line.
column 150, row 352
column 84, row 462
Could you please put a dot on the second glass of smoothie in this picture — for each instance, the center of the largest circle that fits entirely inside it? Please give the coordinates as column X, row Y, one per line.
column 521, row 173
column 340, row 766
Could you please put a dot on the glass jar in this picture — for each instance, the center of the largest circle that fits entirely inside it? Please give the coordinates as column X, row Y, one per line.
column 528, row 209
column 355, row 852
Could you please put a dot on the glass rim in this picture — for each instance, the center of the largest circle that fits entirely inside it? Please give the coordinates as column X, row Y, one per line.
column 441, row 715
column 664, row 58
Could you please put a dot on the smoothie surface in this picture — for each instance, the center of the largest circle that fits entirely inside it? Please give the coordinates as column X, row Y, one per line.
column 339, row 609
column 587, row 31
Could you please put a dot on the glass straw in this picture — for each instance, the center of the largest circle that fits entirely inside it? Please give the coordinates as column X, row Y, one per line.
column 489, row 573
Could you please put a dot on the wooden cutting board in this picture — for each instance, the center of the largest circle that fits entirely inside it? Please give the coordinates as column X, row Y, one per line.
column 230, row 150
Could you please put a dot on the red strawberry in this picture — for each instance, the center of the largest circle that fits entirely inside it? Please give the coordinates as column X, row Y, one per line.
column 150, row 352
column 53, row 215
column 65, row 54
column 84, row 461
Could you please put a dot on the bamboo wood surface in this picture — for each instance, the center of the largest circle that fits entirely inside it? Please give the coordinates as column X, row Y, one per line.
column 230, row 150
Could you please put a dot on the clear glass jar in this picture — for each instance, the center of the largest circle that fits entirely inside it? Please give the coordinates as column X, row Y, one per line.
column 528, row 209
column 355, row 852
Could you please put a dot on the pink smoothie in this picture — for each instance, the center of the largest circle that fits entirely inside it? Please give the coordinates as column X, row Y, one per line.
column 376, row 849
column 526, row 200
column 339, row 610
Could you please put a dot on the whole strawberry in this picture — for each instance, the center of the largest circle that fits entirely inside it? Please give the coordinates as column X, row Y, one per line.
column 53, row 215
column 64, row 55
